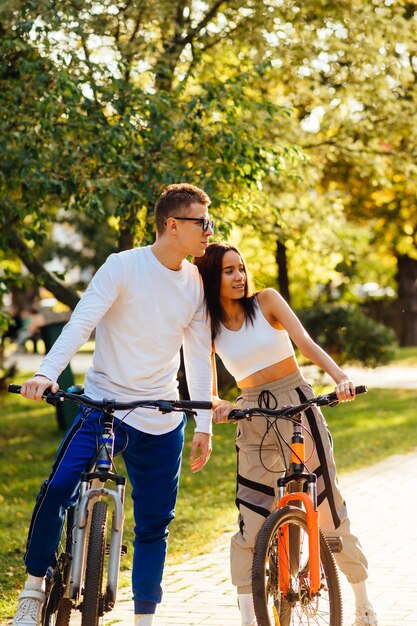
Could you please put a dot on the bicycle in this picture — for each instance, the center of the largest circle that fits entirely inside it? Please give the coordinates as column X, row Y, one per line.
column 294, row 575
column 86, row 553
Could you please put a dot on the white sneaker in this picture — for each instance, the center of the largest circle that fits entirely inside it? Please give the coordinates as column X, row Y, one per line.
column 144, row 620
column 247, row 611
column 28, row 612
column 366, row 616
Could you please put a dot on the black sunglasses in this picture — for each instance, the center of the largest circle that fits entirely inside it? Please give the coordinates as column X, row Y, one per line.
column 204, row 222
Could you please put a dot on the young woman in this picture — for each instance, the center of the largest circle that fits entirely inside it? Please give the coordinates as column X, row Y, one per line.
column 252, row 334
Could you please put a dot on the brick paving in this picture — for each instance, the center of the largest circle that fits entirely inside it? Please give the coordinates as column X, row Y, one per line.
column 383, row 510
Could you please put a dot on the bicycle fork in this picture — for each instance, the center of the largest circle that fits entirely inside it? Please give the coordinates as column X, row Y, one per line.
column 81, row 535
column 309, row 503
column 91, row 490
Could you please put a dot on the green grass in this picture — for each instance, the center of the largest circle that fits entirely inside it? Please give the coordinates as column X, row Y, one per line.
column 405, row 357
column 376, row 425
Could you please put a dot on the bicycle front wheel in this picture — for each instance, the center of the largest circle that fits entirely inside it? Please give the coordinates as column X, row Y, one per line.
column 93, row 601
column 294, row 606
column 56, row 610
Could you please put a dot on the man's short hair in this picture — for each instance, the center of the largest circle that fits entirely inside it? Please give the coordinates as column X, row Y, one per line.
column 176, row 199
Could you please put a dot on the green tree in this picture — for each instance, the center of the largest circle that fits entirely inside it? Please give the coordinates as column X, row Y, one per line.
column 348, row 70
column 142, row 93
column 112, row 100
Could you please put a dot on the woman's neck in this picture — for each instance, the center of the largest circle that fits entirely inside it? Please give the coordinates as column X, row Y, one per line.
column 233, row 312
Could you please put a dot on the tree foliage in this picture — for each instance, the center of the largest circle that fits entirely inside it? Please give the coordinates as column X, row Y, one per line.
column 354, row 65
column 112, row 102
column 349, row 335
column 348, row 70
column 112, row 99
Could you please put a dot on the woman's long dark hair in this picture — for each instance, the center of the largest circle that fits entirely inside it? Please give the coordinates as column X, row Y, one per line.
column 210, row 268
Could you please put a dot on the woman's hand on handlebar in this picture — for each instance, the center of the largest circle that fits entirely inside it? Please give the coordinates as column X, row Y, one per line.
column 35, row 387
column 221, row 410
column 345, row 390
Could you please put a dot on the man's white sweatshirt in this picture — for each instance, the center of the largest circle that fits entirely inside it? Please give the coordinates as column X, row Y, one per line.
column 142, row 312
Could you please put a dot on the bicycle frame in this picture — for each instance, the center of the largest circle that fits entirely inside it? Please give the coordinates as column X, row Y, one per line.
column 309, row 502
column 92, row 489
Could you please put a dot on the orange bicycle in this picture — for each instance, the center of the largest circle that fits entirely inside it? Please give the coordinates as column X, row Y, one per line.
column 294, row 575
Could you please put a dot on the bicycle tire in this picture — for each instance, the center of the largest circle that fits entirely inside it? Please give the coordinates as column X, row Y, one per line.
column 56, row 610
column 93, row 601
column 297, row 607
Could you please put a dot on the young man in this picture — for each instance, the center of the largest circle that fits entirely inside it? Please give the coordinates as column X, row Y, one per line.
column 144, row 303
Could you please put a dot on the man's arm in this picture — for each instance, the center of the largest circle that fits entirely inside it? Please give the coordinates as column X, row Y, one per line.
column 201, row 443
column 197, row 362
column 98, row 298
column 221, row 408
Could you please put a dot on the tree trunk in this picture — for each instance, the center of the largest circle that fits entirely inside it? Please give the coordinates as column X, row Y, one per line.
column 407, row 297
column 61, row 292
column 126, row 240
column 283, row 282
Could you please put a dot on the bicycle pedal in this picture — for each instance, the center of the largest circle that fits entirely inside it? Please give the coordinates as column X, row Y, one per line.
column 335, row 544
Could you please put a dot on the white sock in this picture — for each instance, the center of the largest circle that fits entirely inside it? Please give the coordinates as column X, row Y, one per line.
column 361, row 594
column 35, row 583
column 247, row 611
column 143, row 620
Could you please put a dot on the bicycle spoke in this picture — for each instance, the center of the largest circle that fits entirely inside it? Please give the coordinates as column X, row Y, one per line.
column 281, row 557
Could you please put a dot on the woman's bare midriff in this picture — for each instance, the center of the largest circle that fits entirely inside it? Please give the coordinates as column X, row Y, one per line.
column 270, row 373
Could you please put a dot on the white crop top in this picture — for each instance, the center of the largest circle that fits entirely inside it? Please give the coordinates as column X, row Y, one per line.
column 252, row 347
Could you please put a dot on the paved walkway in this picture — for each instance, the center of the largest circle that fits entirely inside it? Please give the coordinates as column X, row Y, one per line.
column 383, row 510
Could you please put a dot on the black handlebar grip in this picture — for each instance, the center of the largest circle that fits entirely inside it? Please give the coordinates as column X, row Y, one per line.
column 198, row 404
column 14, row 388
column 361, row 389
column 332, row 396
column 236, row 414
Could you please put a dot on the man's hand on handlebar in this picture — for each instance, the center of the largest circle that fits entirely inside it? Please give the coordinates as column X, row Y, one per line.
column 35, row 387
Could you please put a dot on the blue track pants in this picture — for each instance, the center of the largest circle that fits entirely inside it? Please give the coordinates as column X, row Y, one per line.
column 153, row 465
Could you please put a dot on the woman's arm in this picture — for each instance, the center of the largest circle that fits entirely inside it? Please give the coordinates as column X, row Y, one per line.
column 278, row 312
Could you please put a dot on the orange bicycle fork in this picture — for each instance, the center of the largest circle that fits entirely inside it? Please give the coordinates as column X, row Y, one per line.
column 309, row 503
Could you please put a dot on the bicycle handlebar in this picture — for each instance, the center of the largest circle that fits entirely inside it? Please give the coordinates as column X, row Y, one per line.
column 327, row 399
column 165, row 406
column 14, row 388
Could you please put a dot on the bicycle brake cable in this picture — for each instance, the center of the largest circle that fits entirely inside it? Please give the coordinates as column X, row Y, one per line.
column 273, row 424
